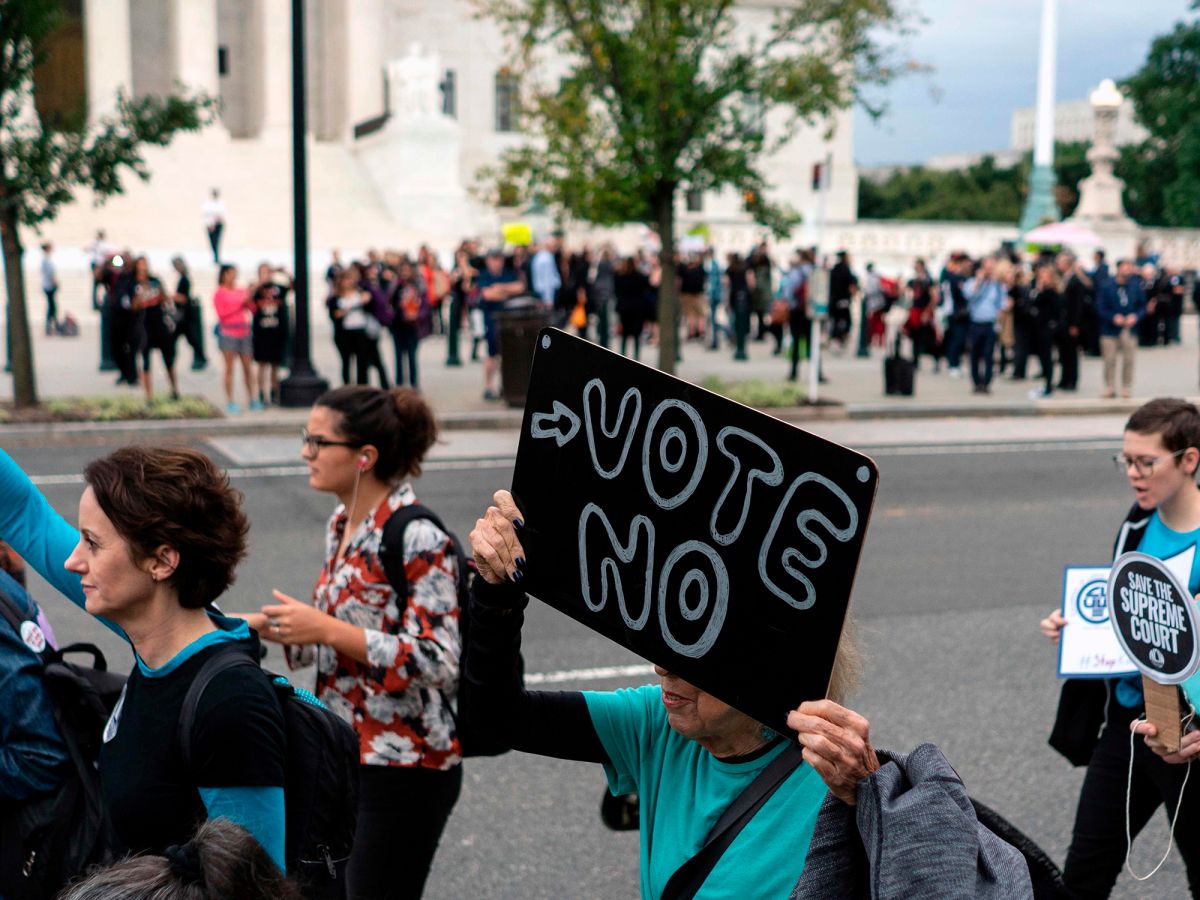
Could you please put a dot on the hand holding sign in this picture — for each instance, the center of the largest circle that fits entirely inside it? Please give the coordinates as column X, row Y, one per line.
column 709, row 538
column 1189, row 744
column 498, row 553
column 1154, row 619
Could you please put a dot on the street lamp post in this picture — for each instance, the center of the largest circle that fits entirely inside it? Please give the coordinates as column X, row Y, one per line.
column 303, row 385
column 1040, row 206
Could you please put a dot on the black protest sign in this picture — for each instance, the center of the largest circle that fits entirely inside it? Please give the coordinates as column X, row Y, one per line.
column 1154, row 618
column 707, row 537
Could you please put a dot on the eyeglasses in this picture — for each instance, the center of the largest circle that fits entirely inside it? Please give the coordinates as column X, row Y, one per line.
column 1143, row 465
column 314, row 442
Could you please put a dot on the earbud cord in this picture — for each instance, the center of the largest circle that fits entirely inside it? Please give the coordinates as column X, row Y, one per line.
column 1178, row 805
column 349, row 524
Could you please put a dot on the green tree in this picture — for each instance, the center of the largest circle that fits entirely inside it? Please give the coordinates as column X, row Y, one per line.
column 1166, row 95
column 41, row 166
column 656, row 96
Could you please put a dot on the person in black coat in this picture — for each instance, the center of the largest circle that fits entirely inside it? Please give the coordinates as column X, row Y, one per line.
column 1072, row 299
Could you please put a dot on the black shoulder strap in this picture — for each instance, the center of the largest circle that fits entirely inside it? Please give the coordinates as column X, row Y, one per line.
column 391, row 545
column 687, row 879
column 213, row 666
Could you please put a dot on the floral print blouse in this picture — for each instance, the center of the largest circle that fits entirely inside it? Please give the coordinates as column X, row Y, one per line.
column 399, row 702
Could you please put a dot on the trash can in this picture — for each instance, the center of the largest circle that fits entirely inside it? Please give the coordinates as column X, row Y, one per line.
column 518, row 325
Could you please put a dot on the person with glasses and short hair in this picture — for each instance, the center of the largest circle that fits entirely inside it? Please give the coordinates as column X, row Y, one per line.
column 1160, row 455
column 387, row 653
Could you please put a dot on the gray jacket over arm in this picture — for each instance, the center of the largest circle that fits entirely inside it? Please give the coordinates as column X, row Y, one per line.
column 913, row 834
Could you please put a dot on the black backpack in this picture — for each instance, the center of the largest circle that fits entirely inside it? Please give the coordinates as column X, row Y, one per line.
column 391, row 556
column 320, row 777
column 49, row 839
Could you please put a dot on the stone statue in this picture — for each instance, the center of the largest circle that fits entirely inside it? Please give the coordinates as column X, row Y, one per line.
column 413, row 84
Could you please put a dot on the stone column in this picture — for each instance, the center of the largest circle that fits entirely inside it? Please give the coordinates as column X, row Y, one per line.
column 195, row 23
column 1040, row 205
column 275, row 37
column 107, row 54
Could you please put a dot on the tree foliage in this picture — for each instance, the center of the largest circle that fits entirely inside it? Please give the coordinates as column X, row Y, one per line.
column 41, row 167
column 986, row 192
column 1166, row 97
column 652, row 96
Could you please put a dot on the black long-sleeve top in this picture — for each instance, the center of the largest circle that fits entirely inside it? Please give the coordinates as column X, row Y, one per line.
column 550, row 723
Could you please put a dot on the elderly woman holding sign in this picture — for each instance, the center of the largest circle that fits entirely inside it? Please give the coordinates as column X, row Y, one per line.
column 728, row 807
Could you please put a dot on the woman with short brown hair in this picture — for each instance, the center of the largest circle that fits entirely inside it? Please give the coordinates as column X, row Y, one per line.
column 160, row 535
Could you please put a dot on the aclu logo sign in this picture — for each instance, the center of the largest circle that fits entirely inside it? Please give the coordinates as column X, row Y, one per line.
column 1092, row 602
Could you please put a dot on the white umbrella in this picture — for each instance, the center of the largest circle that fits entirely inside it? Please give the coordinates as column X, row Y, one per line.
column 1067, row 233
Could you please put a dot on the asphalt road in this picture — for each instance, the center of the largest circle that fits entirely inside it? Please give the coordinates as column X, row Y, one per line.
column 964, row 554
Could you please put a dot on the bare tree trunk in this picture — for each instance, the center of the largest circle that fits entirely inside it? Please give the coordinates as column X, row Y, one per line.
column 24, row 383
column 668, row 293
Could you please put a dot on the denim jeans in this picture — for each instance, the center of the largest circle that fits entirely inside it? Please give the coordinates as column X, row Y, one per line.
column 982, row 341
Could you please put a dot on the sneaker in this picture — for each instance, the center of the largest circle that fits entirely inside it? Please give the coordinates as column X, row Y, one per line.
column 256, row 406
column 233, row 409
column 1108, row 395
column 489, row 394
column 1039, row 394
column 954, row 372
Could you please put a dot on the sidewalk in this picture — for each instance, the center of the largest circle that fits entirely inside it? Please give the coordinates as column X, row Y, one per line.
column 69, row 366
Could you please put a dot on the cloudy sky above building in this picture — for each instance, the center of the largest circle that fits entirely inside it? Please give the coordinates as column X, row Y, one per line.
column 985, row 53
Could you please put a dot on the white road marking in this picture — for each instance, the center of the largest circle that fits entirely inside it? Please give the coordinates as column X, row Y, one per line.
column 600, row 673
column 502, row 462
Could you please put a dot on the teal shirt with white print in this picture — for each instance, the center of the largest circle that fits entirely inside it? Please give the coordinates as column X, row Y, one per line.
column 1180, row 551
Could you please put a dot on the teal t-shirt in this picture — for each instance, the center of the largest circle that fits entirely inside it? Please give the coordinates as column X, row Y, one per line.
column 682, row 791
column 1178, row 549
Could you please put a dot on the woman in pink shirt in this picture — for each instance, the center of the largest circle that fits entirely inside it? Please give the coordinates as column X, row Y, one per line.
column 234, row 312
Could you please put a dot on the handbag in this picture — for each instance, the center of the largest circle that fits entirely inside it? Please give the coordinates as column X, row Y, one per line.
column 579, row 315
column 780, row 310
column 688, row 878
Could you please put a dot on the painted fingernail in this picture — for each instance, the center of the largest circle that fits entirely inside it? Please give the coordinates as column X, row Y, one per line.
column 518, row 575
column 520, row 562
column 518, row 523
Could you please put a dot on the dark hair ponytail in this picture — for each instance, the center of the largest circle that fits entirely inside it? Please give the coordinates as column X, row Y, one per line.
column 398, row 423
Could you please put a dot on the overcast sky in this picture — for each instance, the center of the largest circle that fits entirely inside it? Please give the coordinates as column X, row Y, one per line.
column 985, row 56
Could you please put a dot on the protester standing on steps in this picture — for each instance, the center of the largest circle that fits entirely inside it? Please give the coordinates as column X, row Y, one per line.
column 191, row 320
column 1120, row 305
column 497, row 285
column 1072, row 300
column 270, row 328
column 387, row 655
column 50, row 288
column 158, row 324
column 986, row 295
column 235, row 310
column 214, row 222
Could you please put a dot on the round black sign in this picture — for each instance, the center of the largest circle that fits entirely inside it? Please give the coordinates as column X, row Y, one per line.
column 1154, row 618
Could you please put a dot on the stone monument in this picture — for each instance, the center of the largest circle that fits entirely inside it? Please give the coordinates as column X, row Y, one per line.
column 1101, row 207
column 414, row 160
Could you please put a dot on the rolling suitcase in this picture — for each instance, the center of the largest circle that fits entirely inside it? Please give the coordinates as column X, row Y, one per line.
column 899, row 374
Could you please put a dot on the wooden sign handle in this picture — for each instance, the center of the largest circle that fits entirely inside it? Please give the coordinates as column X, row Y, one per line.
column 1162, row 710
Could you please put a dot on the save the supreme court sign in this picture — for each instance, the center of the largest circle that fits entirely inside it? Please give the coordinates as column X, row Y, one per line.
column 707, row 537
column 1154, row 618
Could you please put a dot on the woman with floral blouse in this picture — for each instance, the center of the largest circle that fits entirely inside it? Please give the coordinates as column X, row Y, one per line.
column 388, row 664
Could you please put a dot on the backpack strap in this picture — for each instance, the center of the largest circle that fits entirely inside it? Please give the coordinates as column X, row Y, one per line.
column 391, row 546
column 688, row 878
column 213, row 666
column 15, row 614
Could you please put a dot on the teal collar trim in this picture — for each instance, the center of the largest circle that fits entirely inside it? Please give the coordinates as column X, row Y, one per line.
column 228, row 631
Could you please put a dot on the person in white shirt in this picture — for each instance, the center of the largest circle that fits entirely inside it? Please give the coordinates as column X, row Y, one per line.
column 50, row 288
column 544, row 271
column 98, row 251
column 214, row 222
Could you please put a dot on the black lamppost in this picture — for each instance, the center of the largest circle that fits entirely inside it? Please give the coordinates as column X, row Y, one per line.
column 303, row 385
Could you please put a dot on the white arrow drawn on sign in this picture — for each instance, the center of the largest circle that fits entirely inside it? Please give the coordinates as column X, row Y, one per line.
column 560, row 411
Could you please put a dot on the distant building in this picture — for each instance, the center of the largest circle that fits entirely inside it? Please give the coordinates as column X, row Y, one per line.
column 1074, row 122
